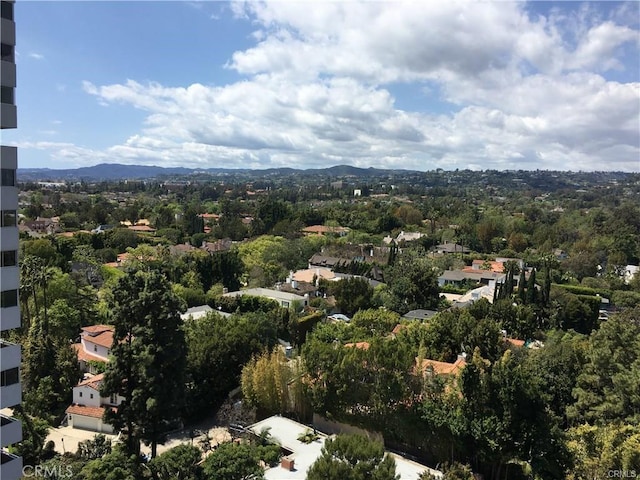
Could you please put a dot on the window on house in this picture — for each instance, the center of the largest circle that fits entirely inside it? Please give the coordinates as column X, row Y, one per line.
column 95, row 348
column 114, row 399
column 8, row 298
column 10, row 377
column 8, row 218
column 80, row 394
column 285, row 304
column 9, row 258
column 7, row 177
column 91, row 395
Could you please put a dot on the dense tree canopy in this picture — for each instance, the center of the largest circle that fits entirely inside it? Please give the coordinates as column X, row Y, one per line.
column 148, row 359
column 353, row 457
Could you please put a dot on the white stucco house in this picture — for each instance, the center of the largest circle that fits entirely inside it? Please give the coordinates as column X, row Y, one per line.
column 88, row 406
column 95, row 346
column 285, row 299
column 295, row 465
column 194, row 313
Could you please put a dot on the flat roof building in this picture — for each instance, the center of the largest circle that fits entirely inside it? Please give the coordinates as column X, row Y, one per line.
column 296, row 464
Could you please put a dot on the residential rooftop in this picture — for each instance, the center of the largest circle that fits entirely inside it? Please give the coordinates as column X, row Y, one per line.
column 286, row 432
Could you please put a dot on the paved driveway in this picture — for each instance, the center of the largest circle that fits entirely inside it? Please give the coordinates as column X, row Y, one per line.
column 66, row 439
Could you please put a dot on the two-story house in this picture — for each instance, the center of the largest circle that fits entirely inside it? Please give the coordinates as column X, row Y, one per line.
column 88, row 406
column 95, row 346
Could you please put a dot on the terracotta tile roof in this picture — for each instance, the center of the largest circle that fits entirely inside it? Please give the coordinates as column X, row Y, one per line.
column 95, row 412
column 104, row 339
column 97, row 328
column 443, row 368
column 362, row 345
column 99, row 334
column 92, row 382
column 398, row 328
column 322, row 229
column 515, row 342
column 494, row 266
column 86, row 356
column 141, row 228
column 308, row 274
column 209, row 216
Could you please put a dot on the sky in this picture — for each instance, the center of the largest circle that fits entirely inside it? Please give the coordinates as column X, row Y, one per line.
column 307, row 84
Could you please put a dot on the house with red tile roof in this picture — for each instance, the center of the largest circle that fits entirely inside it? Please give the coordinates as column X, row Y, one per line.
column 142, row 228
column 514, row 342
column 88, row 406
column 360, row 345
column 434, row 367
column 325, row 230
column 95, row 345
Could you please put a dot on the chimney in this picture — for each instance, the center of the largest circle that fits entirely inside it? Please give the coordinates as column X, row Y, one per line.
column 287, row 464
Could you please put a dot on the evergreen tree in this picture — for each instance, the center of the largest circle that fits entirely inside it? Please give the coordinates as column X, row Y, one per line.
column 148, row 362
column 231, row 461
column 532, row 294
column 521, row 283
column 546, row 285
column 353, row 457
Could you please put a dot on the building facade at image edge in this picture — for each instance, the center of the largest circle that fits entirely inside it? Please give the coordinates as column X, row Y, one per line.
column 10, row 355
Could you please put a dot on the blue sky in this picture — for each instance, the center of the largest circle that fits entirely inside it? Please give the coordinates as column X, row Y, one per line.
column 481, row 85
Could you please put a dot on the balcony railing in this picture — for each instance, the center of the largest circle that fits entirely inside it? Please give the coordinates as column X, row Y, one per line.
column 10, row 465
column 10, row 431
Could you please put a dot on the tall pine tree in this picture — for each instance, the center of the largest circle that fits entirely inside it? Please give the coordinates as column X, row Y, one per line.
column 148, row 363
column 521, row 284
column 531, row 294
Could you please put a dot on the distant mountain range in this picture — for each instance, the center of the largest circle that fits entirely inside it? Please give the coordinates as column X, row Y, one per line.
column 115, row 171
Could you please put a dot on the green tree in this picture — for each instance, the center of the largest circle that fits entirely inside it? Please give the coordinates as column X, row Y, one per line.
column 531, row 295
column 352, row 294
column 120, row 239
column 181, row 462
column 608, row 389
column 413, row 283
column 231, row 461
column 353, row 457
column 117, row 465
column 215, row 359
column 50, row 369
column 601, row 450
column 506, row 422
column 34, row 433
column 557, row 367
column 97, row 447
column 265, row 381
column 376, row 321
column 455, row 471
column 149, row 343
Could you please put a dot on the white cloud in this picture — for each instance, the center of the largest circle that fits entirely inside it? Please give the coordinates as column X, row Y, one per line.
column 36, row 56
column 530, row 91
